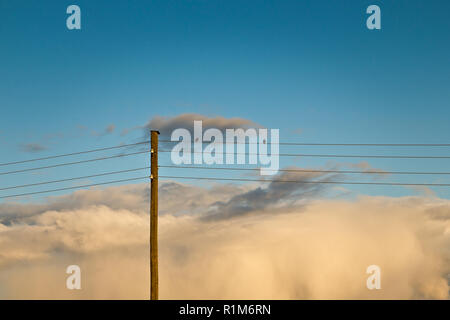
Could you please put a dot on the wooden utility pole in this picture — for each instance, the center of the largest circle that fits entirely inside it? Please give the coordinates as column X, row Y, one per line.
column 154, row 215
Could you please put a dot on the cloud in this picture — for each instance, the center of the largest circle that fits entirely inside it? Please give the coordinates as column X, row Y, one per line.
column 221, row 201
column 297, row 131
column 46, row 141
column 126, row 131
column 423, row 190
column 166, row 125
column 33, row 147
column 276, row 193
column 319, row 251
column 134, row 198
column 364, row 166
column 108, row 130
column 131, row 197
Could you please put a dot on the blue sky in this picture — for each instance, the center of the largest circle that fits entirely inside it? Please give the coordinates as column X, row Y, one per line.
column 309, row 65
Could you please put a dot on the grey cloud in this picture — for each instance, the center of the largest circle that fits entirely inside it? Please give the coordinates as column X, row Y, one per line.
column 33, row 147
column 365, row 167
column 108, row 130
column 309, row 185
column 43, row 143
column 166, row 125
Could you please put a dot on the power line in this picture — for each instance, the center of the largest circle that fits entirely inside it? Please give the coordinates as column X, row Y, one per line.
column 335, row 155
column 280, row 143
column 73, row 153
column 309, row 181
column 71, row 179
column 342, row 144
column 310, row 170
column 70, row 188
column 369, row 144
column 72, row 163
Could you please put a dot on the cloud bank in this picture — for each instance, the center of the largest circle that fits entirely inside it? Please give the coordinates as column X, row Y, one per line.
column 288, row 251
